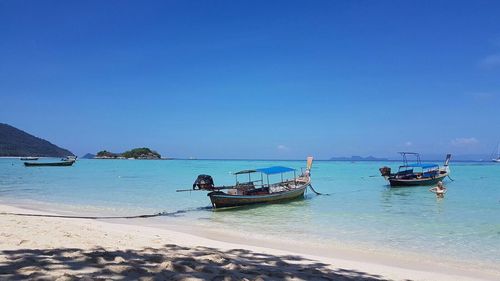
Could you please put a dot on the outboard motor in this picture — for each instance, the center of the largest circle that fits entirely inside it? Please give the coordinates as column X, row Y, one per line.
column 204, row 182
column 385, row 171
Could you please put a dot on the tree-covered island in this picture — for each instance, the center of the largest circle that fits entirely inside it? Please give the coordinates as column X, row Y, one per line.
column 136, row 153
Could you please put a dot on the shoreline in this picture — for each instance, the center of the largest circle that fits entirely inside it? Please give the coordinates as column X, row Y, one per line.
column 178, row 222
column 147, row 234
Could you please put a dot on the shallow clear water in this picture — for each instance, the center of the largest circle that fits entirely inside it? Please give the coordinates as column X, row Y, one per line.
column 361, row 209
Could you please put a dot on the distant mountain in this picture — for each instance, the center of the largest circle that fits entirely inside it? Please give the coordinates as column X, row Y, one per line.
column 14, row 142
column 358, row 158
column 88, row 156
column 456, row 157
column 425, row 157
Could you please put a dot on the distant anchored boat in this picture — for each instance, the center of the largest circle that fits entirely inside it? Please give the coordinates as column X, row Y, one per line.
column 60, row 163
column 256, row 191
column 418, row 173
column 69, row 158
column 29, row 158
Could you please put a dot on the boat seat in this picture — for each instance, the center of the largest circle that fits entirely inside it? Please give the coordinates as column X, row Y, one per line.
column 257, row 191
column 430, row 174
column 243, row 189
column 232, row 191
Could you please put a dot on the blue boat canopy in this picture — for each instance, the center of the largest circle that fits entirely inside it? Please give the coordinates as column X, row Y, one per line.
column 423, row 166
column 274, row 170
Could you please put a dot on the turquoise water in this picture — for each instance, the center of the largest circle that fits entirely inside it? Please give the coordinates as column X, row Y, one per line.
column 361, row 209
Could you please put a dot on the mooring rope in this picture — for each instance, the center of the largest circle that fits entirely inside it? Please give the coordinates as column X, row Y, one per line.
column 450, row 178
column 170, row 214
column 315, row 192
column 79, row 217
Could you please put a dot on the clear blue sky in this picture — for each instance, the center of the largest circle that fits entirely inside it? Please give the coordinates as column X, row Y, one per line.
column 254, row 79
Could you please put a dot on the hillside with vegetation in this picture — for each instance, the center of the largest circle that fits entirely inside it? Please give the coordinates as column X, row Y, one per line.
column 136, row 153
column 141, row 153
column 106, row 154
column 15, row 142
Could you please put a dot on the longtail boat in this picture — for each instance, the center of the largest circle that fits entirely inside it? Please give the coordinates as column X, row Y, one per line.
column 258, row 191
column 418, row 173
column 39, row 164
column 29, row 158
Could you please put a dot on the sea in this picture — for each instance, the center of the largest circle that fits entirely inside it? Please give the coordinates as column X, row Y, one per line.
column 357, row 206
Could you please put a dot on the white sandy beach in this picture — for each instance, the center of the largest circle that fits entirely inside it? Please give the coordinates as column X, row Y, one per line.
column 67, row 249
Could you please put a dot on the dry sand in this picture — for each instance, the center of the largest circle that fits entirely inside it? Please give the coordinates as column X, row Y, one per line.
column 45, row 248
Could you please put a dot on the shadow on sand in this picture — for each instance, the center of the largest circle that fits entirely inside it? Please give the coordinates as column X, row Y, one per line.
column 168, row 263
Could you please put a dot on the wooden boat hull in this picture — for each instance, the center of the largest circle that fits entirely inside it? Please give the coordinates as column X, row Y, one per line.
column 223, row 200
column 395, row 182
column 52, row 164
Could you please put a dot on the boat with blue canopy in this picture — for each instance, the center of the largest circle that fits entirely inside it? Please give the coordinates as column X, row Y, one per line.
column 254, row 186
column 417, row 173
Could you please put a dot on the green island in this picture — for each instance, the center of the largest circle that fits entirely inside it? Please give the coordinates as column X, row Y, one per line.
column 136, row 153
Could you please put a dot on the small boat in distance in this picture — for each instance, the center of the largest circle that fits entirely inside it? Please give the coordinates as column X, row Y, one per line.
column 256, row 191
column 29, row 158
column 63, row 163
column 496, row 158
column 413, row 174
column 69, row 158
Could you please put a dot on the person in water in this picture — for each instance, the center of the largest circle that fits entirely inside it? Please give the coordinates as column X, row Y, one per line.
column 440, row 190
